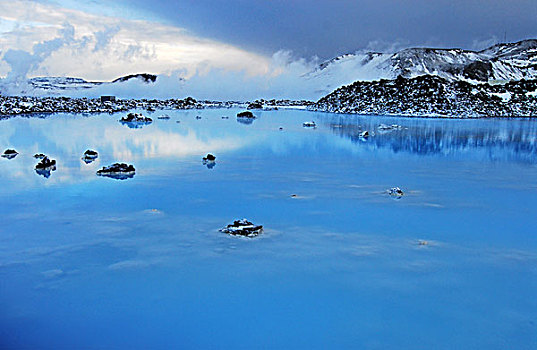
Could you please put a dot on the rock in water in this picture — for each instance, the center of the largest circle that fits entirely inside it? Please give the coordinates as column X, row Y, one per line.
column 209, row 160
column 135, row 120
column 246, row 114
column 242, row 228
column 89, row 156
column 45, row 166
column 396, row 192
column 118, row 171
column 309, row 124
column 10, row 153
column 164, row 117
column 245, row 117
column 39, row 156
column 209, row 157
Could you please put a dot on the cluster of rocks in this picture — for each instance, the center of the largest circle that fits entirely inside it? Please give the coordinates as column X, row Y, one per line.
column 433, row 96
column 45, row 165
column 274, row 104
column 135, row 120
column 118, row 171
column 13, row 105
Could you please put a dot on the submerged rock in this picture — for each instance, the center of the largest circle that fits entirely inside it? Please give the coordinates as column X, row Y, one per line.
column 384, row 127
column 39, row 156
column 118, row 171
column 89, row 156
column 242, row 228
column 10, row 153
column 163, row 117
column 364, row 134
column 396, row 192
column 45, row 166
column 309, row 124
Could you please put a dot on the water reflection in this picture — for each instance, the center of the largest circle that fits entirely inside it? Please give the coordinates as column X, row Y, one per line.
column 509, row 140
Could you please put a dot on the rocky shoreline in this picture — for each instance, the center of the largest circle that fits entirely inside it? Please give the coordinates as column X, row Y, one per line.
column 432, row 96
column 25, row 105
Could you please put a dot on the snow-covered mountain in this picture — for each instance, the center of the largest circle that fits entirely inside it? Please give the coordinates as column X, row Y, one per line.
column 499, row 63
column 59, row 84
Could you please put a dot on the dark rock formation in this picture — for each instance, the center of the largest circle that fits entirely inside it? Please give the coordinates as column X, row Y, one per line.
column 396, row 192
column 246, row 114
column 242, row 228
column 433, row 96
column 39, row 156
column 256, row 105
column 135, row 120
column 145, row 77
column 478, row 70
column 10, row 153
column 118, row 171
column 89, row 156
column 45, row 166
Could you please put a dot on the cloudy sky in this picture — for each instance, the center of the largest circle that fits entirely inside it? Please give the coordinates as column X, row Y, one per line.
column 102, row 40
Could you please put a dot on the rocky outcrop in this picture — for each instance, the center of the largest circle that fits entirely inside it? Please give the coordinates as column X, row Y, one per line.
column 242, row 228
column 89, row 156
column 118, row 171
column 135, row 120
column 45, row 166
column 433, row 96
column 10, row 154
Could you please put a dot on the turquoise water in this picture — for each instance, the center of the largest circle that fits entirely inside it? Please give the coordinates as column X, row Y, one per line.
column 88, row 262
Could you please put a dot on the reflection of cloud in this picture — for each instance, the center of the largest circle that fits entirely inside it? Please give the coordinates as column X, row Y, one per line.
column 65, row 139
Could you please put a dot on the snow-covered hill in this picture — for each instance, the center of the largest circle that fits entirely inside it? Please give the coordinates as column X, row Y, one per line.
column 61, row 85
column 499, row 63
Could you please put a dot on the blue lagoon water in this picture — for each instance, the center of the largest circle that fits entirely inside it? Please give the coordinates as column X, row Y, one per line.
column 88, row 262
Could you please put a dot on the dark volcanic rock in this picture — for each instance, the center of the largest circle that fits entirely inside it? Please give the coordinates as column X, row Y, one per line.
column 135, row 120
column 145, row 77
column 242, row 228
column 478, row 70
column 396, row 192
column 119, row 171
column 246, row 114
column 45, row 166
column 209, row 160
column 10, row 153
column 209, row 157
column 89, row 156
column 245, row 117
column 432, row 96
column 256, row 105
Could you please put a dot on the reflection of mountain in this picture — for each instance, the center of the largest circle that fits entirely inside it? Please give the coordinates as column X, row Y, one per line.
column 513, row 141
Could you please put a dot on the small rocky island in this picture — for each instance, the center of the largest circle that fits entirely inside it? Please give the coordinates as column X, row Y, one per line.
column 10, row 154
column 242, row 228
column 89, row 156
column 45, row 165
column 118, row 171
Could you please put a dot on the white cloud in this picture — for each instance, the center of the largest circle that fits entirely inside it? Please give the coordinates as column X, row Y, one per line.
column 98, row 47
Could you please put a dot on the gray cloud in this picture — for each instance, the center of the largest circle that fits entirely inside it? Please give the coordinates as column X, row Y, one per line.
column 330, row 27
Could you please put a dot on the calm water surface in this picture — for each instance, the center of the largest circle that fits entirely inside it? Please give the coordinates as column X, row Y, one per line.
column 95, row 263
